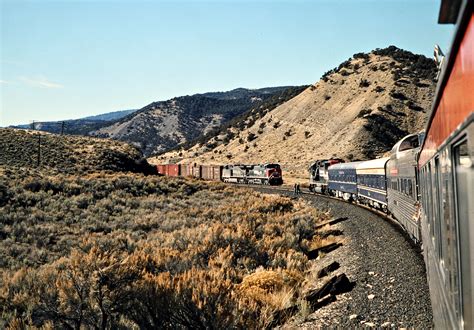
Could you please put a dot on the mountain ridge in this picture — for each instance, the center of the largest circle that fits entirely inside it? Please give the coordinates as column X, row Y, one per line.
column 373, row 99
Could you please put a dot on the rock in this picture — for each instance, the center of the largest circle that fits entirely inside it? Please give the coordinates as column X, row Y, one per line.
column 313, row 254
column 371, row 296
column 336, row 285
column 328, row 269
column 371, row 273
column 386, row 324
column 370, row 324
column 353, row 316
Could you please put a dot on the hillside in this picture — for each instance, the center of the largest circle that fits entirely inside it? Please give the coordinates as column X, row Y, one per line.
column 161, row 126
column 356, row 111
column 68, row 154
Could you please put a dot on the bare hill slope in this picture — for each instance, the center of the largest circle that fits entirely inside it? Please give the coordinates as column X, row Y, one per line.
column 68, row 154
column 356, row 111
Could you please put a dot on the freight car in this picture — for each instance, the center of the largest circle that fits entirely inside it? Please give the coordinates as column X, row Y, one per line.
column 248, row 174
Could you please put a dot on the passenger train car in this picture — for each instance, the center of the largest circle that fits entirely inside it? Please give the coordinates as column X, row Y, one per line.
column 427, row 184
column 402, row 187
column 447, row 178
column 371, row 184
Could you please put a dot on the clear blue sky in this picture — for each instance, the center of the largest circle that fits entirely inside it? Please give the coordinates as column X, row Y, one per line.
column 69, row 59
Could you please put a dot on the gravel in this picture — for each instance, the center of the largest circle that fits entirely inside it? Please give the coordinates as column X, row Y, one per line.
column 391, row 290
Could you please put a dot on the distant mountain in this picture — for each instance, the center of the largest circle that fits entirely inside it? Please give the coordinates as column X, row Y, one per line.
column 81, row 126
column 162, row 126
column 111, row 115
column 357, row 111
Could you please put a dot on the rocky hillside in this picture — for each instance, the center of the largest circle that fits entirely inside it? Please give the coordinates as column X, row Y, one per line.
column 161, row 126
column 356, row 111
column 68, row 154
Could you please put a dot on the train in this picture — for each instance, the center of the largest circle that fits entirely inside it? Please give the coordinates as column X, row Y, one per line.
column 265, row 174
column 427, row 182
column 388, row 184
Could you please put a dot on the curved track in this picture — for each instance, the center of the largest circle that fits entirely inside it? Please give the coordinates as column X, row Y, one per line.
column 391, row 288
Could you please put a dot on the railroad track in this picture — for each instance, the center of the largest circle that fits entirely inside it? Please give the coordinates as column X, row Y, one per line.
column 389, row 273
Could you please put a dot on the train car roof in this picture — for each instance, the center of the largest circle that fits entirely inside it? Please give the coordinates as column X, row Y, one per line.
column 373, row 164
column 345, row 166
column 396, row 147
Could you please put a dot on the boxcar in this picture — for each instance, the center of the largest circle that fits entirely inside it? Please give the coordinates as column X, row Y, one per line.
column 402, row 178
column 196, row 171
column 161, row 169
column 343, row 180
column 173, row 170
column 447, row 178
column 211, row 172
column 186, row 170
column 371, row 183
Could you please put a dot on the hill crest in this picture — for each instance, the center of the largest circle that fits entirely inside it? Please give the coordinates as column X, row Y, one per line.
column 356, row 111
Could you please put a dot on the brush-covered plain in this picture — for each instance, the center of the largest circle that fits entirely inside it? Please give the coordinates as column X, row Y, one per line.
column 122, row 250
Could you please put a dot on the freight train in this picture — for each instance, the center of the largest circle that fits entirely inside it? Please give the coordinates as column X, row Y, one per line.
column 267, row 174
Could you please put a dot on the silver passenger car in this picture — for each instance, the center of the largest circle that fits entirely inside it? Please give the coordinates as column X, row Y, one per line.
column 402, row 189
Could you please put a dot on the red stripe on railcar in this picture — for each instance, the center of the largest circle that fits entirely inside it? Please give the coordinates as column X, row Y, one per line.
column 457, row 102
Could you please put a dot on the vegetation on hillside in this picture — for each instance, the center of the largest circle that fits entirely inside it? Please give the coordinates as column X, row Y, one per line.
column 161, row 126
column 231, row 128
column 68, row 154
column 417, row 67
column 116, row 250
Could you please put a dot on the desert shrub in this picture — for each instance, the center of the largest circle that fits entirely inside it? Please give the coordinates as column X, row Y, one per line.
column 361, row 55
column 364, row 83
column 344, row 73
column 398, row 95
column 251, row 136
column 111, row 250
column 379, row 89
column 363, row 113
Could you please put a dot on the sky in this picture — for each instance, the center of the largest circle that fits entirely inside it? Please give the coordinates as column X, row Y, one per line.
column 70, row 59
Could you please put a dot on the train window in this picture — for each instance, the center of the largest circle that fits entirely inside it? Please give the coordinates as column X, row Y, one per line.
column 410, row 188
column 437, row 205
column 409, row 143
column 429, row 209
column 463, row 190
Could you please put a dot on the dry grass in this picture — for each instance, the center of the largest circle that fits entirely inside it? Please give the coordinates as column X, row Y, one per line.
column 125, row 250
